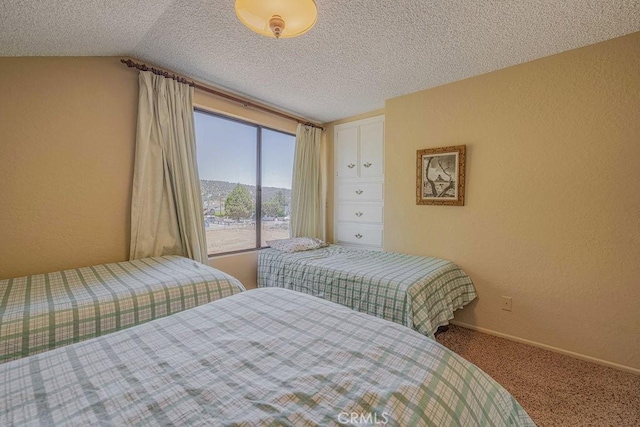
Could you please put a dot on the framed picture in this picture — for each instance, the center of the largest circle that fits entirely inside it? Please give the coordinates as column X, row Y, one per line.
column 440, row 176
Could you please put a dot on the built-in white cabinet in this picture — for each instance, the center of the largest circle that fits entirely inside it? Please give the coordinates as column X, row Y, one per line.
column 359, row 183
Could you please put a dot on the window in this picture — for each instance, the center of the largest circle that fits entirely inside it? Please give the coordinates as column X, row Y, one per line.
column 245, row 177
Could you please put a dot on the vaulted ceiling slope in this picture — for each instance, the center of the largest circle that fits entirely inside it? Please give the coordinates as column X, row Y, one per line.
column 360, row 52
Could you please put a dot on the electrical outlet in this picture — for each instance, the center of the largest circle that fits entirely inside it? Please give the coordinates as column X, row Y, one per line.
column 506, row 303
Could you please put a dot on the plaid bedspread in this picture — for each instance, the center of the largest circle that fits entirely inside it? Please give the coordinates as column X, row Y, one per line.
column 263, row 357
column 418, row 292
column 46, row 311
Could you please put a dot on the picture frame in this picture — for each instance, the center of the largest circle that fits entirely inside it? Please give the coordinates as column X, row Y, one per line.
column 440, row 176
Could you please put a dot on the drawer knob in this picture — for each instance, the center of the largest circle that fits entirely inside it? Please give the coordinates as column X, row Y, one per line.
column 359, row 192
column 367, row 165
column 358, row 214
column 351, row 166
column 358, row 236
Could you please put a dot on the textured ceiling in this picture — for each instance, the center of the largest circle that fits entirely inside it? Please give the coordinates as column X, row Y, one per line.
column 360, row 52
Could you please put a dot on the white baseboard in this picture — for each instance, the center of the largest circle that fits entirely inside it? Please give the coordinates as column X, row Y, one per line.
column 548, row 347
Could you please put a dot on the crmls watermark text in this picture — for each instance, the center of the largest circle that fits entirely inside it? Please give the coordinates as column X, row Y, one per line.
column 366, row 418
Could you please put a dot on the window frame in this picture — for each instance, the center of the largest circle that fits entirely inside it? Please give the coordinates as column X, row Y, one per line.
column 258, row 184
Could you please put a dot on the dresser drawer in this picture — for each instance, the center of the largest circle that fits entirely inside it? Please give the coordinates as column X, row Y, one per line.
column 360, row 212
column 362, row 234
column 366, row 191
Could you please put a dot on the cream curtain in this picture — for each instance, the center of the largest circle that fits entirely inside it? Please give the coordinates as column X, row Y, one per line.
column 166, row 211
column 307, row 219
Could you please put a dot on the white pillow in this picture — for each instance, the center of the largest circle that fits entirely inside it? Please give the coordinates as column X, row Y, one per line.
column 297, row 244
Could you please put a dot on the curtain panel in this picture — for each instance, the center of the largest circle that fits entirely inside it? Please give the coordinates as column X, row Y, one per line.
column 166, row 208
column 307, row 213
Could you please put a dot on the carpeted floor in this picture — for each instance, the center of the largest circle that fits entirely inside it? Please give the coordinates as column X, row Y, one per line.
column 554, row 389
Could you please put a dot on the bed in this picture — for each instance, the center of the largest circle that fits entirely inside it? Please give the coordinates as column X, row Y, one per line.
column 419, row 292
column 261, row 357
column 46, row 311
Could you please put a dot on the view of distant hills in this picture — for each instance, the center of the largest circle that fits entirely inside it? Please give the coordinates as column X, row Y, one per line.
column 214, row 193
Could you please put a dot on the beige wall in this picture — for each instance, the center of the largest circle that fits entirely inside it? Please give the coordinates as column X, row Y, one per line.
column 233, row 109
column 67, row 137
column 552, row 215
column 243, row 266
column 67, row 132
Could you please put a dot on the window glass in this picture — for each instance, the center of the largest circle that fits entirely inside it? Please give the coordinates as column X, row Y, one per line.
column 277, row 172
column 227, row 152
column 227, row 162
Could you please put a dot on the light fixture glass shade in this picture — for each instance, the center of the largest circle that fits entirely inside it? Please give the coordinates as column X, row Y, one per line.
column 266, row 16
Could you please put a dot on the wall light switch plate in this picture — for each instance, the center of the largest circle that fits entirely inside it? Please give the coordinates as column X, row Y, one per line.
column 506, row 303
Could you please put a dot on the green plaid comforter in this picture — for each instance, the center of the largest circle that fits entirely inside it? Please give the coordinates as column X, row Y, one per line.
column 418, row 292
column 263, row 357
column 45, row 311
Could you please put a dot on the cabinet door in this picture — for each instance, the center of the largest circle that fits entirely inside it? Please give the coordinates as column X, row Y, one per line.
column 346, row 146
column 371, row 150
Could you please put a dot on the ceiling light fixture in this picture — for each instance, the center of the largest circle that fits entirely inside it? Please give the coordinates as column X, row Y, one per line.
column 278, row 18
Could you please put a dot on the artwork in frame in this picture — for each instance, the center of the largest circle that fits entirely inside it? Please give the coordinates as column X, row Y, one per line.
column 440, row 176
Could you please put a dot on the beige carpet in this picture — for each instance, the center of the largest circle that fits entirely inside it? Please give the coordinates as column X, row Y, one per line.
column 554, row 389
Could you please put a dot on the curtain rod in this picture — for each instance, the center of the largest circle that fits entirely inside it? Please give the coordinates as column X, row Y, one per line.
column 143, row 67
